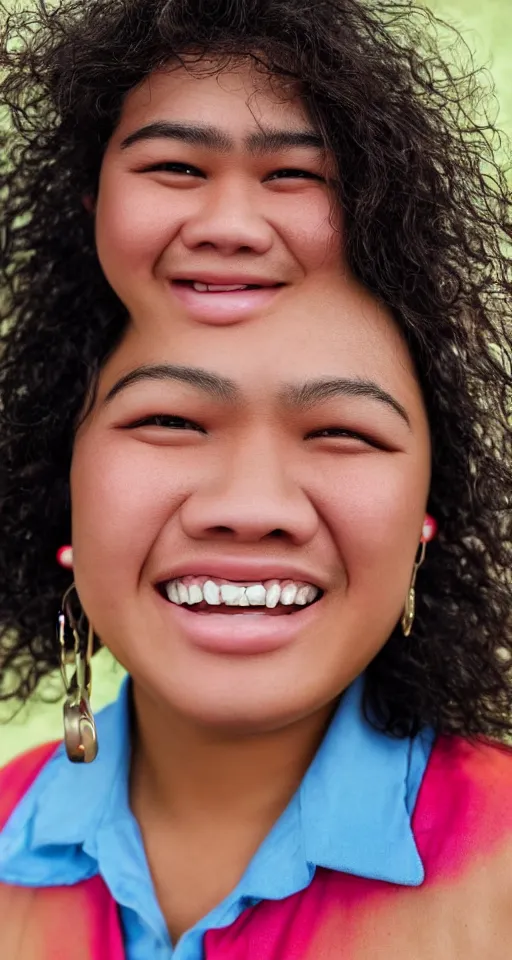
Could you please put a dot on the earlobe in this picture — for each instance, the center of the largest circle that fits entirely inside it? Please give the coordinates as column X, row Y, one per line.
column 89, row 203
column 429, row 531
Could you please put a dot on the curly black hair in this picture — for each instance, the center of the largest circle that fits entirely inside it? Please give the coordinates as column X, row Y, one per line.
column 427, row 214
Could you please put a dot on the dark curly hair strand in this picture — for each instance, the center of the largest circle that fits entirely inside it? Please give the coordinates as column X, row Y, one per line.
column 427, row 221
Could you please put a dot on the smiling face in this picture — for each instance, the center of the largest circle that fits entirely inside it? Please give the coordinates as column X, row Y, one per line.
column 212, row 181
column 293, row 450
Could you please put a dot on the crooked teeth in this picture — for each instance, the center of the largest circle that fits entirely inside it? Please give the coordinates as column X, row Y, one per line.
column 234, row 595
column 182, row 593
column 231, row 595
column 173, row 592
column 218, row 287
column 273, row 595
column 304, row 595
column 195, row 594
column 288, row 594
column 256, row 595
column 211, row 593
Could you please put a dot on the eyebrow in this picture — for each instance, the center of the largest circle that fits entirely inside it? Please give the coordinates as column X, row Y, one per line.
column 318, row 391
column 302, row 395
column 215, row 386
column 213, row 138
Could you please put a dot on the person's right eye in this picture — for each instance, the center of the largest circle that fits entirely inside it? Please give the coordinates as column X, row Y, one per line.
column 172, row 166
column 165, row 421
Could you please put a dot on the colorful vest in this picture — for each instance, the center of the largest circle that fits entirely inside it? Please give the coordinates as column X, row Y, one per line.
column 463, row 911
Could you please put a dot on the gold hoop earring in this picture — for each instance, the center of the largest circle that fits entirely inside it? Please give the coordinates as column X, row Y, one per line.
column 80, row 736
column 410, row 601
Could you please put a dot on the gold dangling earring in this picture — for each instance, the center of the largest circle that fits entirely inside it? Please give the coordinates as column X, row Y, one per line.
column 80, row 736
column 410, row 601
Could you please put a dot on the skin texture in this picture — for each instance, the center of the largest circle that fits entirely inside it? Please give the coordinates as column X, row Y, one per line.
column 234, row 208
column 149, row 499
column 425, row 228
column 241, row 731
column 336, row 487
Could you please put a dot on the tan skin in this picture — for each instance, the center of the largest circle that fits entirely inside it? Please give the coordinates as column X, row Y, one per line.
column 336, row 487
column 167, row 207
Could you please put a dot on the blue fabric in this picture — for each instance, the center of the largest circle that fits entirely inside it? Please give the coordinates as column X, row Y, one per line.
column 351, row 813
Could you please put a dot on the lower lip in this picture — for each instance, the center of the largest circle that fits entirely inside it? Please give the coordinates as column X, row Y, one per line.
column 241, row 634
column 224, row 307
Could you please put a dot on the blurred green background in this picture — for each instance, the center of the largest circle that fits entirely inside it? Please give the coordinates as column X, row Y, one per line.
column 487, row 28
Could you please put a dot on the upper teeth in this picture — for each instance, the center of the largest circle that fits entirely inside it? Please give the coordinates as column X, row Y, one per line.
column 267, row 594
column 218, row 287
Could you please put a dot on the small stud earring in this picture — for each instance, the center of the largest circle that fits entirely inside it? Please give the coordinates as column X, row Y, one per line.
column 429, row 531
column 65, row 557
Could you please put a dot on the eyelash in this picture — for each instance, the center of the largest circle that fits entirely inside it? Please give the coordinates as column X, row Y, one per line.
column 167, row 421
column 335, row 432
column 188, row 170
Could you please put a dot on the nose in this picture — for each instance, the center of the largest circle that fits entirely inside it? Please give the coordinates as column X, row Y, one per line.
column 252, row 498
column 228, row 219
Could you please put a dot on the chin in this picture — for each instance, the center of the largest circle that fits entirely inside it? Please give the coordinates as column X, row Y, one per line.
column 229, row 706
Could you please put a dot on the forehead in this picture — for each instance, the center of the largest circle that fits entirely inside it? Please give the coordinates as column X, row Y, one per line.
column 342, row 331
column 239, row 94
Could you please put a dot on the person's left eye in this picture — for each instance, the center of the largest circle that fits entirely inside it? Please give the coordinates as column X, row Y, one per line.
column 340, row 433
column 292, row 173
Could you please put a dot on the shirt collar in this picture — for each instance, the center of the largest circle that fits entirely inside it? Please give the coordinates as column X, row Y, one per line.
column 350, row 814
column 360, row 781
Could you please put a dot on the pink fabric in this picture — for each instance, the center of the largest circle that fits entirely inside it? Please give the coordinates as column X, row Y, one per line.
column 18, row 777
column 66, row 923
column 463, row 829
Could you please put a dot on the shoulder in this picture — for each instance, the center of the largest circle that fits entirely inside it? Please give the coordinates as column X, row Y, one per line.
column 18, row 776
column 480, row 766
column 464, row 805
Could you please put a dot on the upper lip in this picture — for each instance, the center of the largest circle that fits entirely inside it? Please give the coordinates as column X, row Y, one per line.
column 240, row 571
column 223, row 279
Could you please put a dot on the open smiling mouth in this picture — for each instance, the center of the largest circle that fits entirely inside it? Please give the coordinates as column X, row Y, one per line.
column 204, row 595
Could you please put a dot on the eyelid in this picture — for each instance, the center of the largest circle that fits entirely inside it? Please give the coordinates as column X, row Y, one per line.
column 149, row 421
column 186, row 169
column 346, row 434
column 293, row 172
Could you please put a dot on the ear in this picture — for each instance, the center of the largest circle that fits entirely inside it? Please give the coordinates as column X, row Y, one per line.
column 89, row 203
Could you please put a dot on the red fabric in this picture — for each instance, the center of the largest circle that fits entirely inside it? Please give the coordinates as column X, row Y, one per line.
column 19, row 775
column 463, row 829
column 54, row 923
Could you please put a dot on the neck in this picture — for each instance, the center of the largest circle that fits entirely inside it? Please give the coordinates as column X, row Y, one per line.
column 183, row 772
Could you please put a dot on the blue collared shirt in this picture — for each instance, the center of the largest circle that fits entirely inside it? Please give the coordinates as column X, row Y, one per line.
column 351, row 813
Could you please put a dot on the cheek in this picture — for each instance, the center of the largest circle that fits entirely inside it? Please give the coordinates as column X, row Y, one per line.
column 134, row 225
column 311, row 229
column 375, row 515
column 120, row 502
